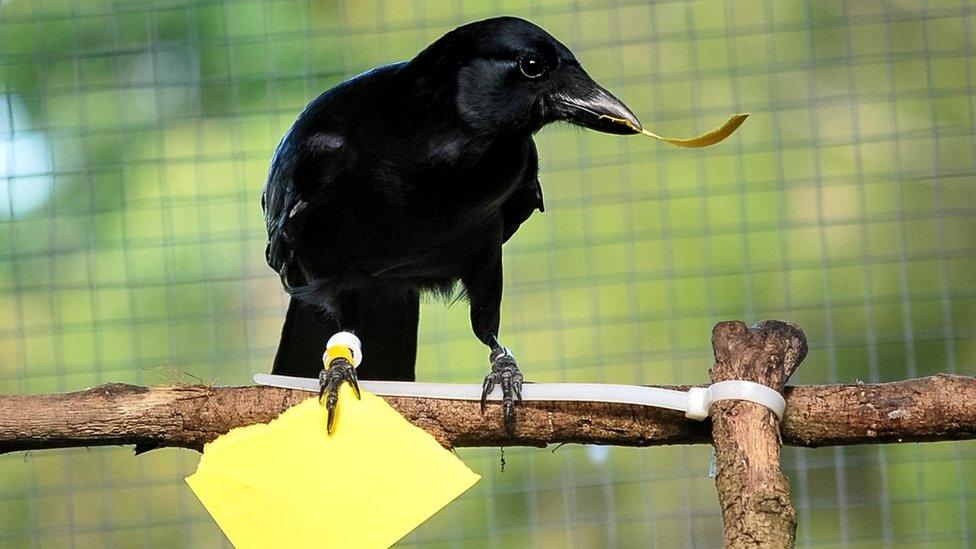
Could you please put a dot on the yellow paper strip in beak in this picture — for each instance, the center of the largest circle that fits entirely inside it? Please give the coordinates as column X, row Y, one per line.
column 704, row 140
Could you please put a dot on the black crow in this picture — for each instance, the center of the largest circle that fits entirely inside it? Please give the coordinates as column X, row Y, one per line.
column 409, row 178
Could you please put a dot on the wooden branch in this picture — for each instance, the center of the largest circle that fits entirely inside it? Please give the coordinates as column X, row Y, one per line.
column 927, row 409
column 753, row 492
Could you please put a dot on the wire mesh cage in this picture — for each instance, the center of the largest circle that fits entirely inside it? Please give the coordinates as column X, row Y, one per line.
column 134, row 142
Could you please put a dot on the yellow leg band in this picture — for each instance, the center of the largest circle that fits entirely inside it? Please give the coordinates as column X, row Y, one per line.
column 337, row 351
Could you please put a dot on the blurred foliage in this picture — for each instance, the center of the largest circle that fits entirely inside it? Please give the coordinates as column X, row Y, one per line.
column 134, row 139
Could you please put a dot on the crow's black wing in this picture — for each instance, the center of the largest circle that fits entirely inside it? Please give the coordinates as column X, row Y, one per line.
column 284, row 214
column 304, row 164
column 526, row 198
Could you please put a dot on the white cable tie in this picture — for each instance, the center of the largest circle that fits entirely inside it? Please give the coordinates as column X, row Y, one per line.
column 700, row 399
column 694, row 402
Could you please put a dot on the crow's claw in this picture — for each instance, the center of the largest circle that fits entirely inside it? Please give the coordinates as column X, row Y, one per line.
column 486, row 388
column 330, row 379
column 504, row 372
column 355, row 384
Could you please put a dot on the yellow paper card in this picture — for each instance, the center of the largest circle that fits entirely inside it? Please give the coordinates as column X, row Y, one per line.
column 289, row 484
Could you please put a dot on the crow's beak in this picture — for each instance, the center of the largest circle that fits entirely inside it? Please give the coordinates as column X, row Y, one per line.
column 581, row 101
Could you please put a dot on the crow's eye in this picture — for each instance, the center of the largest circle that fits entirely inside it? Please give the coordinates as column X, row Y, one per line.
column 532, row 65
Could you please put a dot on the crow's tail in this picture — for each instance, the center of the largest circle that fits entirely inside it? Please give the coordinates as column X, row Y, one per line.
column 387, row 329
column 303, row 339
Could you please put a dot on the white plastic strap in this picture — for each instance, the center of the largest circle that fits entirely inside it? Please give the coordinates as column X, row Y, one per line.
column 700, row 399
column 695, row 402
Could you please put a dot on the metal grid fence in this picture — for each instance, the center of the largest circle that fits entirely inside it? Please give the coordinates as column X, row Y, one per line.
column 135, row 136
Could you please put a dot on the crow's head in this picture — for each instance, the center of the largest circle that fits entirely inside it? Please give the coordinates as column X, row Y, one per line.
column 511, row 76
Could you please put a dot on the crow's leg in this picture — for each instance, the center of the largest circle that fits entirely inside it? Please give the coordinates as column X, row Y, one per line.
column 385, row 316
column 342, row 354
column 483, row 284
column 504, row 373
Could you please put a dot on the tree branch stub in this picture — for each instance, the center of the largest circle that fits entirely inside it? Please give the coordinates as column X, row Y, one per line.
column 753, row 492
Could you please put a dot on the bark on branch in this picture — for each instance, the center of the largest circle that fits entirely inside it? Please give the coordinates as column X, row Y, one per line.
column 927, row 409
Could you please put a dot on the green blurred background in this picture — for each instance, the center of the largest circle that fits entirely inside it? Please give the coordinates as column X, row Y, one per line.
column 134, row 141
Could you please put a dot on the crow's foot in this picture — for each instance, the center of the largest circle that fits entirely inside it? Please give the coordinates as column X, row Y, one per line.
column 505, row 373
column 337, row 371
